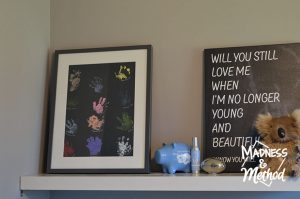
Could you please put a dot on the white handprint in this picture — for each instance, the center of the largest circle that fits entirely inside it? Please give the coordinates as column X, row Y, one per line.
column 124, row 148
column 74, row 80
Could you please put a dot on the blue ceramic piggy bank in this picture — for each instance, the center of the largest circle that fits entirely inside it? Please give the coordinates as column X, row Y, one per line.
column 174, row 157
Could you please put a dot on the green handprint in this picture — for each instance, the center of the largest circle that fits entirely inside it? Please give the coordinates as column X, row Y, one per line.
column 72, row 103
column 126, row 123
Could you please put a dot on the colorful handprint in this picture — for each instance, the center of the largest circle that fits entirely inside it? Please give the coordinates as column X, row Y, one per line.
column 124, row 148
column 68, row 150
column 123, row 73
column 95, row 123
column 125, row 98
column 72, row 103
column 99, row 108
column 74, row 80
column 71, row 127
column 94, row 145
column 126, row 123
column 96, row 84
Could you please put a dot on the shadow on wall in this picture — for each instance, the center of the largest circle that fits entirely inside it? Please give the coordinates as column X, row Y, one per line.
column 171, row 195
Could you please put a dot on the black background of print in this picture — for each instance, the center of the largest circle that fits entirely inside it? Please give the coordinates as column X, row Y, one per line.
column 85, row 96
column 280, row 76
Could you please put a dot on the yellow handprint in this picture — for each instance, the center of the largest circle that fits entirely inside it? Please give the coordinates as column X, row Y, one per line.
column 123, row 73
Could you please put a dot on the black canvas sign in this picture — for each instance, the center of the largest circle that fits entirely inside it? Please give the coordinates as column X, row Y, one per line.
column 240, row 83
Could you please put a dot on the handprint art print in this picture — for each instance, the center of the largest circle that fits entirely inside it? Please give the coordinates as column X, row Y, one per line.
column 102, row 116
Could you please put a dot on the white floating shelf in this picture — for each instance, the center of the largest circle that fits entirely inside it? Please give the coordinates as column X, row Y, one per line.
column 152, row 182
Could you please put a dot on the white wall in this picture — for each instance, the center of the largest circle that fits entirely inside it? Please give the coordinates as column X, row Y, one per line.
column 179, row 30
column 24, row 43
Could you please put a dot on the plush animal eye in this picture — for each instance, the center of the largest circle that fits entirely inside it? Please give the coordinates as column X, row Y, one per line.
column 271, row 126
column 294, row 125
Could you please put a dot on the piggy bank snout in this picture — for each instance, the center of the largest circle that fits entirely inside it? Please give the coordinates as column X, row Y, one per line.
column 160, row 157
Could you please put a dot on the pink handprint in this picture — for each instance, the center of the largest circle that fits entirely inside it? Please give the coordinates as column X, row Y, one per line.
column 99, row 108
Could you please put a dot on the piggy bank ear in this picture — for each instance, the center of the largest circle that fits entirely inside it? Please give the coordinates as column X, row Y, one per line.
column 173, row 144
column 263, row 124
column 296, row 115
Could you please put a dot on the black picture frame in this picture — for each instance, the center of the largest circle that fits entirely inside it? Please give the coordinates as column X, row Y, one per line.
column 100, row 110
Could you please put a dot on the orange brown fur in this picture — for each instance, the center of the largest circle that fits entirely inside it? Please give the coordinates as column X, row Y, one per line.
column 267, row 126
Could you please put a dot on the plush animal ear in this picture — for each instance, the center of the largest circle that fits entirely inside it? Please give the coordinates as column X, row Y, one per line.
column 296, row 115
column 263, row 124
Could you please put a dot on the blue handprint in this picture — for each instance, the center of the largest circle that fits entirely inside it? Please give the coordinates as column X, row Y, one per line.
column 94, row 145
column 96, row 84
column 71, row 127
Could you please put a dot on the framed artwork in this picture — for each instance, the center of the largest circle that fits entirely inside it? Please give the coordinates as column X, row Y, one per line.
column 100, row 111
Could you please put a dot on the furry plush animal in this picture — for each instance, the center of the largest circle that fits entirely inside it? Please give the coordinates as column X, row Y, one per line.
column 279, row 133
column 296, row 168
